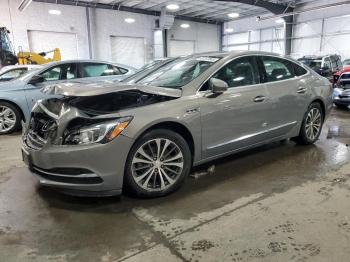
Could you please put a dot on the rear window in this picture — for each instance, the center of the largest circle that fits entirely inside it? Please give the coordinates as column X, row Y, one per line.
column 298, row 70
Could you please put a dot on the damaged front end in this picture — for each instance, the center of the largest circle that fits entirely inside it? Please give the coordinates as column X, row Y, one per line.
column 85, row 117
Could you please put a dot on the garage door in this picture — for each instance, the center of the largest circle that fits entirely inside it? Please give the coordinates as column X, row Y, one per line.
column 179, row 47
column 41, row 41
column 128, row 50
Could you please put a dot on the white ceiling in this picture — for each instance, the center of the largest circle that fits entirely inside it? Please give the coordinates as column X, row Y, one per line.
column 203, row 9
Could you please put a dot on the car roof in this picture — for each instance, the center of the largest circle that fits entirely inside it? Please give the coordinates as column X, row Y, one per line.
column 88, row 61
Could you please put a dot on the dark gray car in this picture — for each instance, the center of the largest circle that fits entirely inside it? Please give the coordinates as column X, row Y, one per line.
column 145, row 137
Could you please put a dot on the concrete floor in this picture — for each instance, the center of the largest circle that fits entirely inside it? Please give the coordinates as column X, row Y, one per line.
column 280, row 202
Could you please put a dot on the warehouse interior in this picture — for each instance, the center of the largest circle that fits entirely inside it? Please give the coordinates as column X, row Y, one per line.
column 80, row 61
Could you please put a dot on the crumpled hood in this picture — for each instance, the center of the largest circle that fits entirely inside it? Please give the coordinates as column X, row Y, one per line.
column 83, row 89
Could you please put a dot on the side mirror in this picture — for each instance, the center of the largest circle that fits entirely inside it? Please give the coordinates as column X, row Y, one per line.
column 217, row 86
column 36, row 79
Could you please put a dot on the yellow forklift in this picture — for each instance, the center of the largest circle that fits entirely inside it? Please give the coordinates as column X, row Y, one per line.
column 9, row 57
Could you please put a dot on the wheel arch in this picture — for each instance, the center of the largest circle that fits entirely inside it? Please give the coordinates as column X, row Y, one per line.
column 175, row 126
column 322, row 104
column 16, row 106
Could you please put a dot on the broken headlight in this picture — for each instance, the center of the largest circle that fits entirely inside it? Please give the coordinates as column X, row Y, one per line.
column 96, row 133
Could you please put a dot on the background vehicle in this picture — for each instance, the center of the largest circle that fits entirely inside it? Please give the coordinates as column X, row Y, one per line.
column 324, row 65
column 17, row 97
column 346, row 62
column 187, row 112
column 341, row 93
column 8, row 73
column 9, row 57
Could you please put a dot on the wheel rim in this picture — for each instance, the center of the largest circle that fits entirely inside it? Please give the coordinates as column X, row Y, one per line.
column 7, row 119
column 157, row 164
column 313, row 123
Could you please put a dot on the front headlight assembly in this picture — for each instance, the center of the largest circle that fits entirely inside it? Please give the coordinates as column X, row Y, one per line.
column 102, row 132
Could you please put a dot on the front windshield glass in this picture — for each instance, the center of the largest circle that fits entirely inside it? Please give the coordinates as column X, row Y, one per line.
column 179, row 72
column 346, row 62
column 28, row 74
column 148, row 67
column 314, row 64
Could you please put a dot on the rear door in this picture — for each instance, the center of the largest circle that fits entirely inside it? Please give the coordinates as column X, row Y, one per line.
column 287, row 92
column 53, row 75
column 236, row 118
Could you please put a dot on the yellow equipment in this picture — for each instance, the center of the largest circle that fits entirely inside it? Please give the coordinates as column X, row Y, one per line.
column 9, row 57
column 25, row 58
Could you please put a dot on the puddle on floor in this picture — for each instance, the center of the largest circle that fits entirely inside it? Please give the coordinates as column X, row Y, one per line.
column 338, row 132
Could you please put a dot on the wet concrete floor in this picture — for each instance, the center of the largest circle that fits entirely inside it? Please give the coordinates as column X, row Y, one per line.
column 279, row 202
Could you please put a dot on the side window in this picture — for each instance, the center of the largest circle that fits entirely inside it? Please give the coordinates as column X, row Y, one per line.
column 98, row 69
column 327, row 62
column 123, row 70
column 11, row 74
column 239, row 72
column 53, row 74
column 333, row 61
column 60, row 72
column 277, row 69
column 298, row 70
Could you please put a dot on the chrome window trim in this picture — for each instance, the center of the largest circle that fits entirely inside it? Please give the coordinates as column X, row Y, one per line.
column 255, row 55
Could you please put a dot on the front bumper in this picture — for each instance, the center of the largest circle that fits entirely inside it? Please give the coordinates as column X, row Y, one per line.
column 341, row 101
column 95, row 169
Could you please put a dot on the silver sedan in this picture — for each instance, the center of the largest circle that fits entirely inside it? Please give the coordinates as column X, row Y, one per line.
column 145, row 137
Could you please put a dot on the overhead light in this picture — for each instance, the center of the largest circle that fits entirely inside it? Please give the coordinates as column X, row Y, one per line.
column 129, row 20
column 24, row 4
column 280, row 21
column 185, row 25
column 54, row 12
column 233, row 15
column 172, row 7
column 229, row 30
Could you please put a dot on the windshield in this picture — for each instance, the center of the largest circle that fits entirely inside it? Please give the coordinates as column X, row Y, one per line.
column 346, row 62
column 142, row 72
column 314, row 64
column 179, row 72
column 28, row 74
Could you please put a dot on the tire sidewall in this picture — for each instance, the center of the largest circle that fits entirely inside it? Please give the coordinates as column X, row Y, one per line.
column 129, row 182
column 18, row 118
column 303, row 130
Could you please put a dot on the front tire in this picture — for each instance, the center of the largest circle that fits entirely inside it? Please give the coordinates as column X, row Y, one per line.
column 311, row 126
column 10, row 118
column 157, row 164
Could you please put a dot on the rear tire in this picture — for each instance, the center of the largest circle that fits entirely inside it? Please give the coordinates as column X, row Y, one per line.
column 311, row 126
column 157, row 164
column 10, row 118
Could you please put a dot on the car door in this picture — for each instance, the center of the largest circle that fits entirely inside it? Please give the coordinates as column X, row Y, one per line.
column 93, row 71
column 236, row 118
column 287, row 93
column 53, row 75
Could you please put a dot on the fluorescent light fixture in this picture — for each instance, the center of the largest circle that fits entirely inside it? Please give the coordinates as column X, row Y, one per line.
column 233, row 15
column 129, row 20
column 280, row 21
column 185, row 25
column 229, row 30
column 24, row 4
column 172, row 7
column 54, row 12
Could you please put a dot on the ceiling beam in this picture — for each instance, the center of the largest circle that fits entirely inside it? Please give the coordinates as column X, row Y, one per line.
column 270, row 6
column 120, row 7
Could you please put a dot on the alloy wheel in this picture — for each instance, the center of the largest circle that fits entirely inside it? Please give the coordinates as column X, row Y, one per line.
column 157, row 164
column 7, row 119
column 313, row 123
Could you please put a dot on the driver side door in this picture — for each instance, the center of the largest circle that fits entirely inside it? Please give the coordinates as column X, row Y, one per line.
column 54, row 75
column 236, row 118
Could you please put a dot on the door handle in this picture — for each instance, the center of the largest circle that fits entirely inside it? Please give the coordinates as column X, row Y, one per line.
column 259, row 99
column 302, row 90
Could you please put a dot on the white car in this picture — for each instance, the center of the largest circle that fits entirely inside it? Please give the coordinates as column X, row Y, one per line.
column 8, row 73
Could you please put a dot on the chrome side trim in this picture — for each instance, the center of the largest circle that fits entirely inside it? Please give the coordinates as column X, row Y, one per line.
column 251, row 135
